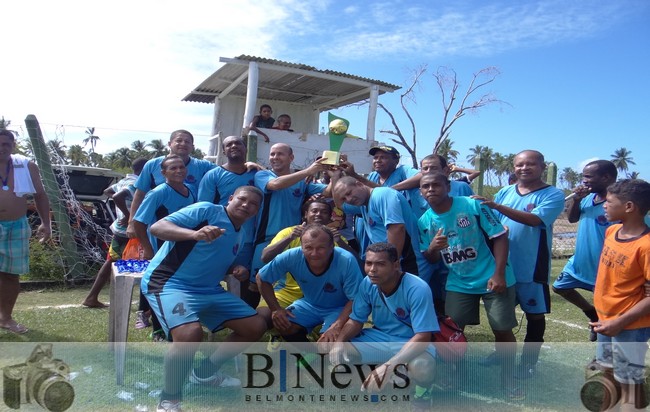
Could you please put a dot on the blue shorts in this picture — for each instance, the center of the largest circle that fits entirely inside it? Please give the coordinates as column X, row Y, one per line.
column 14, row 246
column 309, row 316
column 533, row 297
column 625, row 353
column 174, row 308
column 376, row 346
column 567, row 281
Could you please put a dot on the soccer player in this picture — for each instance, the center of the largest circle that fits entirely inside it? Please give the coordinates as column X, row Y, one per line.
column 317, row 211
column 586, row 207
column 468, row 238
column 181, row 143
column 328, row 277
column 403, row 318
column 219, row 184
column 284, row 194
column 185, row 292
column 528, row 209
column 387, row 218
column 620, row 293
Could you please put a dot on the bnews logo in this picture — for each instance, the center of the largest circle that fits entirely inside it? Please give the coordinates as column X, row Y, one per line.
column 288, row 377
column 266, row 371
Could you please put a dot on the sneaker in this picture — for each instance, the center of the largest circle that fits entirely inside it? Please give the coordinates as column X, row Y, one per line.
column 491, row 360
column 218, row 380
column 421, row 399
column 158, row 336
column 525, row 371
column 141, row 320
column 169, row 406
column 593, row 336
column 274, row 343
column 515, row 394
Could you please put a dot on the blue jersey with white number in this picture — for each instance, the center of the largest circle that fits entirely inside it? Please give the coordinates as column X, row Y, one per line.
column 331, row 289
column 467, row 225
column 530, row 246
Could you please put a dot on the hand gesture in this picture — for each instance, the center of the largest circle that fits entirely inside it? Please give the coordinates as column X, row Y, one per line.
column 497, row 284
column 240, row 273
column 439, row 241
column 580, row 192
column 208, row 233
column 280, row 319
column 297, row 231
column 485, row 201
column 340, row 353
column 43, row 233
column 377, row 379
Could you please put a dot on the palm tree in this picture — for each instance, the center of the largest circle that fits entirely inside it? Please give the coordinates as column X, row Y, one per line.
column 57, row 150
column 140, row 149
column 77, row 156
column 633, row 175
column 445, row 150
column 92, row 139
column 122, row 157
column 622, row 159
column 197, row 153
column 570, row 177
column 159, row 148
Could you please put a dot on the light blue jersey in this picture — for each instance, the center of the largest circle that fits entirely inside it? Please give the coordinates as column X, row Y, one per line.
column 386, row 207
column 158, row 203
column 583, row 265
column 193, row 266
column 401, row 173
column 216, row 187
column 331, row 289
column 469, row 258
column 281, row 208
column 402, row 314
column 151, row 175
column 530, row 246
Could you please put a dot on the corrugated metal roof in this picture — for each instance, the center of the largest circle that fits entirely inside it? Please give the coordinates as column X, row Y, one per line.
column 288, row 82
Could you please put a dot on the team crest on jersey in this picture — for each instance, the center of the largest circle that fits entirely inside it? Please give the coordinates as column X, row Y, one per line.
column 602, row 220
column 329, row 288
column 371, row 222
column 529, row 207
column 463, row 221
column 190, row 179
column 401, row 314
column 297, row 193
column 235, row 249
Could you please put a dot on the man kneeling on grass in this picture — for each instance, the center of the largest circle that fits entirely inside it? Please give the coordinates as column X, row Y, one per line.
column 185, row 292
column 401, row 307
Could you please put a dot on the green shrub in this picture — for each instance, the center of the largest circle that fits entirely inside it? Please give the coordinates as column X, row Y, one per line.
column 45, row 262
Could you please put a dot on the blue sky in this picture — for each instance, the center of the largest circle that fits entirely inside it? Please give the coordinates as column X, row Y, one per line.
column 574, row 73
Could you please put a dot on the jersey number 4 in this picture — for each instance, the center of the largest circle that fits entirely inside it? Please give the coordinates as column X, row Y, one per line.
column 179, row 309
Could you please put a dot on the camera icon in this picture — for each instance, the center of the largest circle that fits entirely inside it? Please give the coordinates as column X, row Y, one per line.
column 41, row 378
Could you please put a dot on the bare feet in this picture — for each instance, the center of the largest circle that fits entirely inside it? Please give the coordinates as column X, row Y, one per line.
column 94, row 304
column 15, row 327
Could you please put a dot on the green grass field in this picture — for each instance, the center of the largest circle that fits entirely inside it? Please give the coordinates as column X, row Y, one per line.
column 55, row 315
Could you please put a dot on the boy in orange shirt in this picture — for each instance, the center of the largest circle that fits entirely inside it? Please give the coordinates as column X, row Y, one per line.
column 620, row 299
